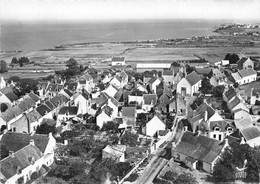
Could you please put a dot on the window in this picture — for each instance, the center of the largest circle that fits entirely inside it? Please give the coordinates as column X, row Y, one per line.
column 217, row 129
column 14, row 129
column 214, row 136
column 219, row 137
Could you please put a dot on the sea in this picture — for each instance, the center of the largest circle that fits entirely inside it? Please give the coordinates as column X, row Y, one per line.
column 33, row 36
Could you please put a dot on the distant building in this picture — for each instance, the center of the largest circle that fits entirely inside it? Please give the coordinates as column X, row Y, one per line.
column 245, row 63
column 189, row 85
column 2, row 83
column 116, row 153
column 118, row 61
column 199, row 152
column 243, row 76
column 142, row 67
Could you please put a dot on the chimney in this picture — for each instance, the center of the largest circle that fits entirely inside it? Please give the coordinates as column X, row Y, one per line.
column 185, row 128
column 11, row 153
column 206, row 116
column 66, row 142
column 50, row 135
column 226, row 142
column 32, row 142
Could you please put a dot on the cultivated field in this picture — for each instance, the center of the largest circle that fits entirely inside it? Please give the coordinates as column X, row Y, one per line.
column 99, row 54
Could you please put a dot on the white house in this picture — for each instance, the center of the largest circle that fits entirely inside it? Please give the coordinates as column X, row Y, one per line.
column 111, row 90
column 244, row 76
column 245, row 63
column 155, row 124
column 118, row 61
column 255, row 97
column 116, row 152
column 168, row 77
column 236, row 104
column 153, row 83
column 189, row 85
column 149, row 101
column 83, row 102
column 66, row 113
column 103, row 116
column 2, row 83
column 142, row 67
column 9, row 98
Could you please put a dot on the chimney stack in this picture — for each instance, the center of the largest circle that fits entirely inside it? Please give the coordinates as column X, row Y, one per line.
column 32, row 142
column 206, row 115
column 11, row 153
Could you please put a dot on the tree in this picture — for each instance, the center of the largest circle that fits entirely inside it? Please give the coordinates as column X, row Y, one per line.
column 46, row 129
column 24, row 86
column 4, row 152
column 71, row 63
column 23, row 60
column 68, row 134
column 129, row 139
column 111, row 127
column 253, row 166
column 121, row 169
column 14, row 60
column 206, row 87
column 233, row 58
column 14, row 79
column 218, row 91
column 3, row 107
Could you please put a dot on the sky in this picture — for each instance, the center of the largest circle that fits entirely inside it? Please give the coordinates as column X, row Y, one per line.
column 80, row 10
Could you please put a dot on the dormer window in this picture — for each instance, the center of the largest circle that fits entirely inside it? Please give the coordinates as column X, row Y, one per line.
column 217, row 129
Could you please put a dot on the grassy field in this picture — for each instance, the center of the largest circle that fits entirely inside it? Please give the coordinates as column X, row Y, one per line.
column 99, row 55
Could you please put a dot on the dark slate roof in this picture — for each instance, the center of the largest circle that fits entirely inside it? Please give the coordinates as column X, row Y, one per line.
column 6, row 90
column 250, row 133
column 129, row 112
column 114, row 101
column 106, row 109
column 72, row 86
column 167, row 72
column 21, row 160
column 58, row 100
column 200, row 112
column 43, row 109
column 34, row 97
column 11, row 96
column 69, row 110
column 242, row 60
column 33, row 116
column 152, row 80
column 234, row 102
column 255, row 92
column 247, row 72
column 68, row 92
column 11, row 113
column 136, row 92
column 118, row 58
column 26, row 103
column 230, row 93
column 16, row 141
column 103, row 98
column 150, row 99
column 49, row 104
column 119, row 95
column 193, row 78
column 199, row 147
column 203, row 71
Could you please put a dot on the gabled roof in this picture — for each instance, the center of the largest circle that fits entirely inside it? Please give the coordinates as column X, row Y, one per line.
column 72, row 86
column 49, row 104
column 247, row 72
column 167, row 72
column 103, row 98
column 6, row 90
column 150, row 99
column 43, row 109
column 114, row 101
column 11, row 96
column 242, row 60
column 176, row 64
column 114, row 151
column 42, row 85
column 137, row 92
column 250, row 133
column 9, row 166
column 255, row 92
column 16, row 141
column 68, row 109
column 203, row 71
column 152, row 80
column 199, row 147
column 26, row 103
column 230, row 93
column 11, row 113
column 33, row 116
column 52, row 87
column 106, row 109
column 193, row 78
column 116, row 58
column 119, row 95
column 234, row 102
column 34, row 97
column 236, row 76
column 58, row 100
column 67, row 92
column 129, row 112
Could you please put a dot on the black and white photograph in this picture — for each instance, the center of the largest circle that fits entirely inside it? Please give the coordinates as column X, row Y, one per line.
column 129, row 91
